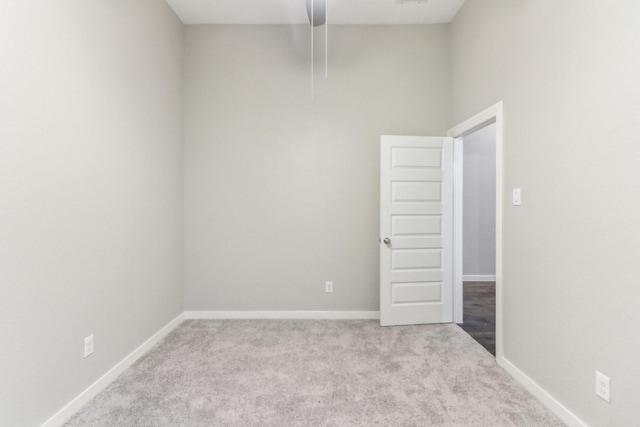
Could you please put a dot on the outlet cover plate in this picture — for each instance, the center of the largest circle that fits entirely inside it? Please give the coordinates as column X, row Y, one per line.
column 603, row 386
column 88, row 346
column 328, row 287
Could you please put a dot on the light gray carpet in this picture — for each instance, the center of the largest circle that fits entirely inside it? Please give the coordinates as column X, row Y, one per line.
column 315, row 373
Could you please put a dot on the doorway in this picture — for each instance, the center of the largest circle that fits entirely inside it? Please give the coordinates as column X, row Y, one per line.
column 485, row 291
column 479, row 235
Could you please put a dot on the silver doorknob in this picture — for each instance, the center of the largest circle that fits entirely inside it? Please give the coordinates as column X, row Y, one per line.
column 387, row 241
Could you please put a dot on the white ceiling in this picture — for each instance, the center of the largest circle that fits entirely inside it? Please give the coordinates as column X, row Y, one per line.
column 295, row 12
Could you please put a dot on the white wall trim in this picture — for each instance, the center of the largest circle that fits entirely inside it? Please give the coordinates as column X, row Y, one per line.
column 65, row 414
column 478, row 277
column 545, row 397
column 458, row 229
column 282, row 315
column 493, row 114
column 476, row 122
column 76, row 404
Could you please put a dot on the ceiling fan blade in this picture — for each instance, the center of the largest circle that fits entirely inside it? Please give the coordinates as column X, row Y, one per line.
column 319, row 12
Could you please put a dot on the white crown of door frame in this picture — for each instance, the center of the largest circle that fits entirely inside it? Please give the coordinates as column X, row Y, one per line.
column 493, row 114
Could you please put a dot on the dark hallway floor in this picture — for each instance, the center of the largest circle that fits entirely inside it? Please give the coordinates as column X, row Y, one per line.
column 480, row 313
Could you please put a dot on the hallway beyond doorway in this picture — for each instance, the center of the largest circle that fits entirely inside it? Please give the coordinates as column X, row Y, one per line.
column 480, row 313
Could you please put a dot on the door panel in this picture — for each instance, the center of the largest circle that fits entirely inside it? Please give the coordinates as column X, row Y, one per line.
column 403, row 293
column 416, row 216
column 415, row 259
column 415, row 225
column 407, row 191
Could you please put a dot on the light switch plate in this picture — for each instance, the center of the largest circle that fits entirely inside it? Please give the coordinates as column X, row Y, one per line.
column 517, row 197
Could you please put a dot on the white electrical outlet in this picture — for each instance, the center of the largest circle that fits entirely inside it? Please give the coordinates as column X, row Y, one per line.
column 328, row 286
column 603, row 389
column 88, row 346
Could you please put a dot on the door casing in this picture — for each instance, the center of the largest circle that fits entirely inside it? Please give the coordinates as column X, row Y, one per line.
column 493, row 114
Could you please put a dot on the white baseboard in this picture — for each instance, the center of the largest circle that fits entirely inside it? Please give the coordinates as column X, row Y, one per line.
column 478, row 278
column 76, row 404
column 547, row 399
column 62, row 416
column 353, row 315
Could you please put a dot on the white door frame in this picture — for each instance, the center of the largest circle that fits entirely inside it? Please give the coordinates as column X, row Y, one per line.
column 493, row 114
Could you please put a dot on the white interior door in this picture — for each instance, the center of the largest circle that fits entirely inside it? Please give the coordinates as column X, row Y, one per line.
column 416, row 230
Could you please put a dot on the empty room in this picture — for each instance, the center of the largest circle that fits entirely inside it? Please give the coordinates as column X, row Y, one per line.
column 219, row 213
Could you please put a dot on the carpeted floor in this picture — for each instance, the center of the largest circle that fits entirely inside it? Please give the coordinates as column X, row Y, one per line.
column 315, row 373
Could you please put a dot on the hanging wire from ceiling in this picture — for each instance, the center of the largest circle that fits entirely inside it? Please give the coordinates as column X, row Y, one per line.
column 321, row 20
column 313, row 8
column 326, row 38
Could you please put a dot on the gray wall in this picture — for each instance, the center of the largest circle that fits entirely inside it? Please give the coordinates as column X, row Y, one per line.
column 91, row 179
column 90, row 189
column 568, row 74
column 281, row 193
column 479, row 202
